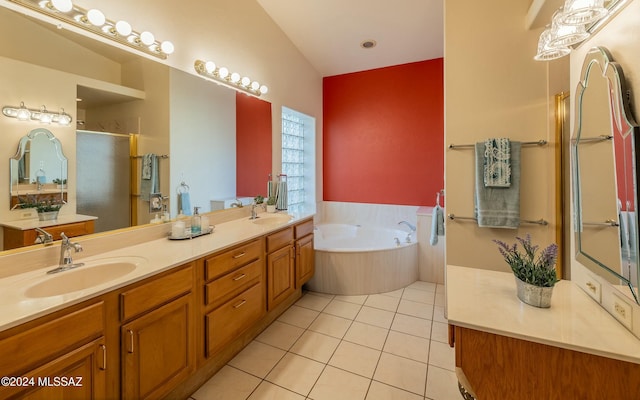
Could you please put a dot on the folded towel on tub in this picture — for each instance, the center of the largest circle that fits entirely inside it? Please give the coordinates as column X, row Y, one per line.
column 498, row 207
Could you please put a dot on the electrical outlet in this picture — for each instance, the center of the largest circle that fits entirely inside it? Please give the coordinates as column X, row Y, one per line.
column 622, row 311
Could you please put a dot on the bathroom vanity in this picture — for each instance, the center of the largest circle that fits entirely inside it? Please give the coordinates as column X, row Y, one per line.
column 22, row 232
column 506, row 349
column 151, row 320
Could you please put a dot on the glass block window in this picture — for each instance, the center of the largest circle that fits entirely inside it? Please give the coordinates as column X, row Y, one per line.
column 293, row 158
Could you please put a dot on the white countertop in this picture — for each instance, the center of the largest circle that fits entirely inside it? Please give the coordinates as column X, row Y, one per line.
column 32, row 223
column 486, row 301
column 160, row 255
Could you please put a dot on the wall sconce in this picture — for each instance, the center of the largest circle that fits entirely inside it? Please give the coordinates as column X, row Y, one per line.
column 94, row 21
column 233, row 80
column 569, row 27
column 41, row 115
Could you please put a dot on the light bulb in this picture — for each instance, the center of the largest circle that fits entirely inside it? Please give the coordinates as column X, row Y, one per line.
column 23, row 113
column 235, row 77
column 246, row 81
column 223, row 72
column 45, row 117
column 255, row 85
column 263, row 89
column 96, row 17
column 210, row 67
column 64, row 118
column 167, row 47
column 147, row 38
column 62, row 5
column 123, row 28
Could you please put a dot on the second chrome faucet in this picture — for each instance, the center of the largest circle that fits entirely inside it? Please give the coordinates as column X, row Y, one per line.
column 66, row 260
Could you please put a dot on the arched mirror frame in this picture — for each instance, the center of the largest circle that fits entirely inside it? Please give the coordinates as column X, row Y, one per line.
column 14, row 162
column 622, row 124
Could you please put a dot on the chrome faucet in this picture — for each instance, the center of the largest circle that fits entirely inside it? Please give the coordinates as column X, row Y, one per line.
column 43, row 237
column 254, row 214
column 237, row 204
column 66, row 261
column 412, row 227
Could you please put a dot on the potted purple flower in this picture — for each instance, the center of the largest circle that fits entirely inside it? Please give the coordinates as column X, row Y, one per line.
column 535, row 274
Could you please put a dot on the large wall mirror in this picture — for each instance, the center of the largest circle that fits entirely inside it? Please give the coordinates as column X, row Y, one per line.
column 191, row 122
column 605, row 174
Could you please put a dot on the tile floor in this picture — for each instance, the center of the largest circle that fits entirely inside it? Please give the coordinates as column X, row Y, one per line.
column 376, row 347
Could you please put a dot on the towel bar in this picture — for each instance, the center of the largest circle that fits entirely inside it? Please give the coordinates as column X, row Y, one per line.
column 540, row 142
column 600, row 138
column 607, row 223
column 537, row 222
column 159, row 156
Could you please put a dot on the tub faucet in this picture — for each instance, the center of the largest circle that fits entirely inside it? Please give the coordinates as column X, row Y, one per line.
column 412, row 227
column 237, row 204
column 66, row 261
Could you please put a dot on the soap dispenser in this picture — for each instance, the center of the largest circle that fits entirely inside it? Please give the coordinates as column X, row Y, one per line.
column 196, row 221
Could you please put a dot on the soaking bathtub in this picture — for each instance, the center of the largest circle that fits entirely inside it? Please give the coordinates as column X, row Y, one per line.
column 356, row 260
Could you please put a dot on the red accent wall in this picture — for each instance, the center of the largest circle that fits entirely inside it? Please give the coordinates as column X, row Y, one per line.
column 253, row 145
column 383, row 135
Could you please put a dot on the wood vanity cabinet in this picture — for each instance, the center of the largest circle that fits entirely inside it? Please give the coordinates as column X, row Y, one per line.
column 55, row 365
column 304, row 253
column 234, row 293
column 158, row 335
column 14, row 238
column 281, row 279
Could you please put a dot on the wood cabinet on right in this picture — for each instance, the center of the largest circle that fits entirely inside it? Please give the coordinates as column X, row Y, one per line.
column 281, row 279
column 304, row 253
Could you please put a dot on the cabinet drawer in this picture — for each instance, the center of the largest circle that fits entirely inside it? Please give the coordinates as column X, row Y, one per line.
column 230, row 319
column 33, row 346
column 279, row 239
column 231, row 259
column 156, row 292
column 304, row 228
column 232, row 283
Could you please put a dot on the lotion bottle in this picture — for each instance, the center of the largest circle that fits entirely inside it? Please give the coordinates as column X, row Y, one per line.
column 195, row 221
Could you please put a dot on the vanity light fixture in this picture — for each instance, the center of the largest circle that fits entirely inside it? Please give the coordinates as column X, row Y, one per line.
column 569, row 28
column 94, row 21
column 210, row 70
column 41, row 115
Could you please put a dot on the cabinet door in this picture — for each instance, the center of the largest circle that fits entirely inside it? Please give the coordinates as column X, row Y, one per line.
column 158, row 350
column 305, row 260
column 79, row 374
column 280, row 276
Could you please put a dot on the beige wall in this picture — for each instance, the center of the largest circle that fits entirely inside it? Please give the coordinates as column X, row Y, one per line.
column 494, row 88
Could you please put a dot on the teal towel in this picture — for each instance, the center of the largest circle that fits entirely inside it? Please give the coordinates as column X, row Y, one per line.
column 498, row 207
column 185, row 203
column 437, row 224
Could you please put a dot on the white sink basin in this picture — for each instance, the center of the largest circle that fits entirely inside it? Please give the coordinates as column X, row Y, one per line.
column 272, row 219
column 91, row 274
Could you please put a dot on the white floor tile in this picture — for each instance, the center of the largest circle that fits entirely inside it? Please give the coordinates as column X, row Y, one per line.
column 422, row 285
column 257, row 358
column 228, row 384
column 415, row 309
column 380, row 391
column 374, row 316
column 439, row 299
column 299, row 316
column 358, row 299
column 438, row 314
column 331, row 325
column 355, row 358
column 442, row 384
column 315, row 346
column 269, row 391
column 402, row 373
column 280, row 335
column 327, row 295
column 342, row 309
column 440, row 332
column 420, row 296
column 395, row 293
column 408, row 346
column 367, row 335
column 336, row 384
column 441, row 355
column 383, row 302
column 295, row 373
column 412, row 325
column 313, row 302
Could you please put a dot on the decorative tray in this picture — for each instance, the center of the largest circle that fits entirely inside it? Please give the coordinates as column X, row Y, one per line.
column 191, row 236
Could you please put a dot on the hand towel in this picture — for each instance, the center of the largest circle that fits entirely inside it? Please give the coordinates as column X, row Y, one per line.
column 146, row 166
column 498, row 207
column 497, row 162
column 281, row 196
column 437, row 224
column 152, row 183
column 185, row 203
